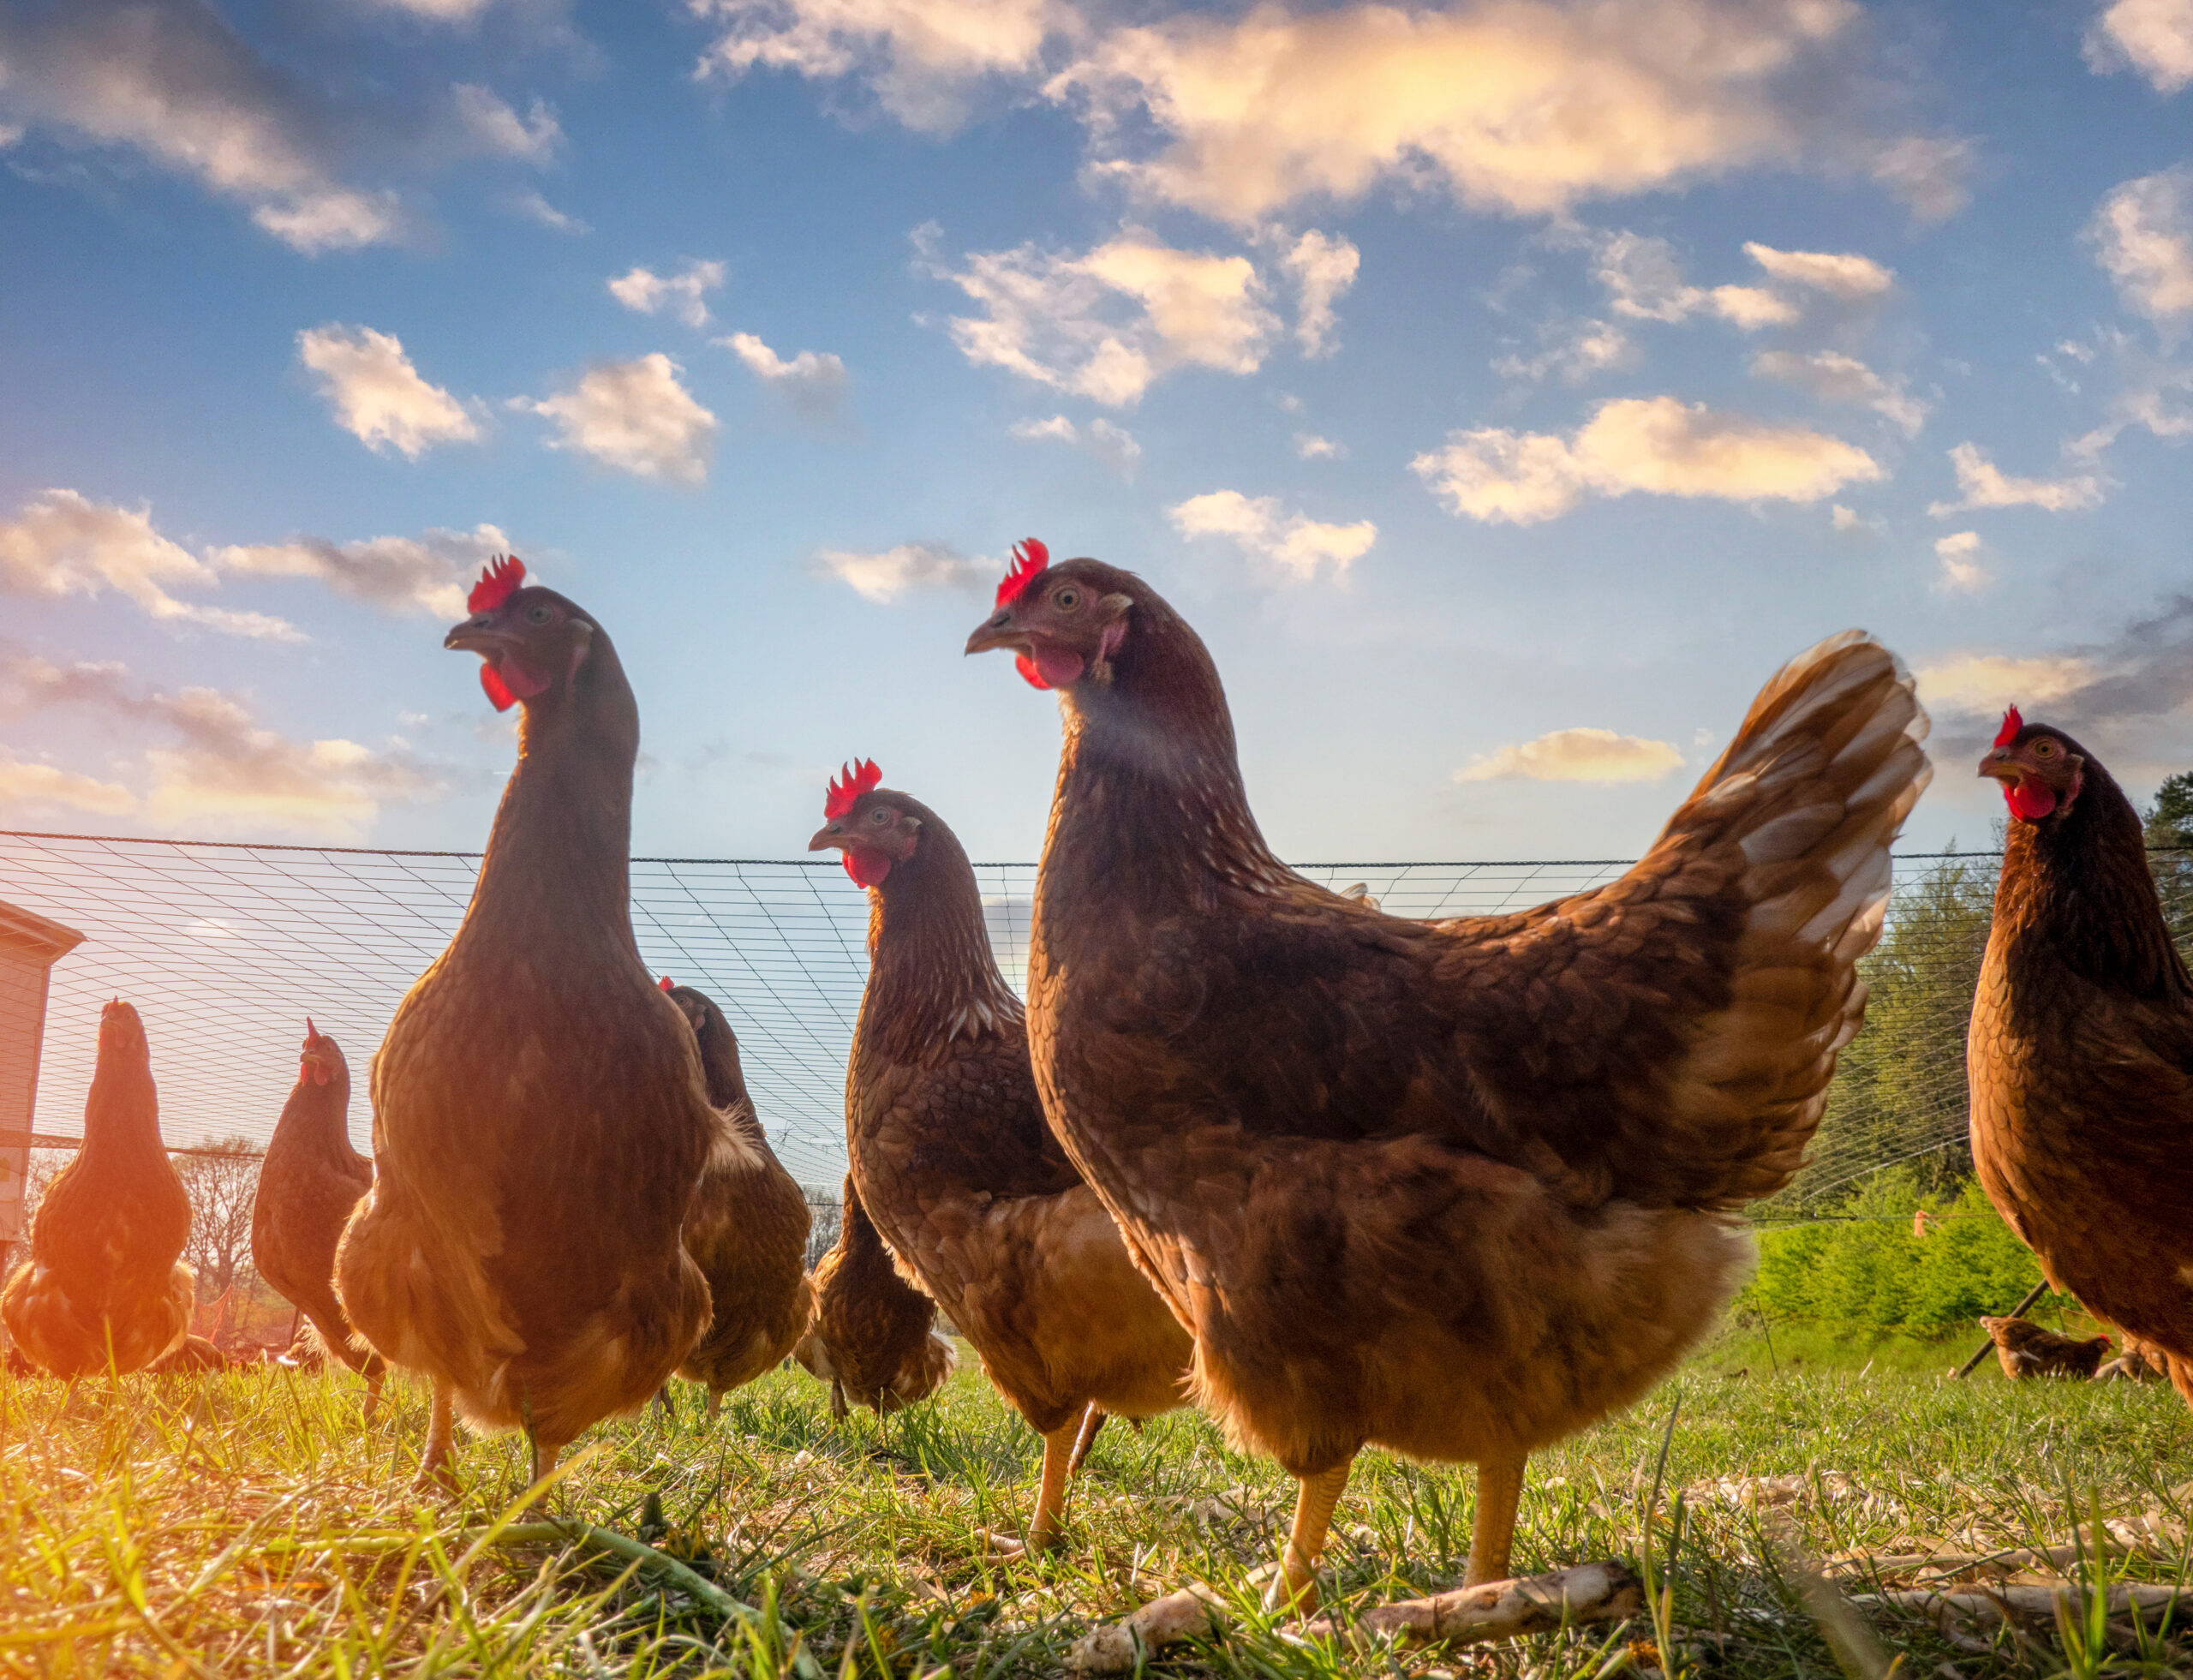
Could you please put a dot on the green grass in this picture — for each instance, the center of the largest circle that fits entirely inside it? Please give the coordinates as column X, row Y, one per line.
column 249, row 1525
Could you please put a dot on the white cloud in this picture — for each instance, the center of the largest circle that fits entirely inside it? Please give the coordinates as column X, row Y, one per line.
column 922, row 59
column 1107, row 324
column 885, row 576
column 1115, row 446
column 1983, row 484
column 438, row 11
column 1848, row 519
column 1520, row 106
column 1297, row 546
column 2143, row 236
column 1834, row 377
column 633, row 415
column 534, row 208
column 429, row 573
column 63, row 544
column 223, row 771
column 683, row 294
column 1659, row 446
column 1643, row 281
column 1986, row 683
column 24, row 782
column 1959, row 553
column 378, row 396
column 1310, row 446
column 1843, row 275
column 489, row 118
column 1323, row 266
column 1576, row 755
column 173, row 84
column 2153, row 37
column 813, row 383
column 1572, row 351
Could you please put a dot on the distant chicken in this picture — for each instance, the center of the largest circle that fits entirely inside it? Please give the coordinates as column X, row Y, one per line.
column 539, row 1117
column 309, row 1184
column 2080, row 1052
column 872, row 1338
column 193, row 1356
column 953, row 1160
column 747, row 1226
column 105, row 1287
column 1457, row 1188
column 2025, row 1349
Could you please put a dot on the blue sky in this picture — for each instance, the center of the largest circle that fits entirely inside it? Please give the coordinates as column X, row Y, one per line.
column 1503, row 389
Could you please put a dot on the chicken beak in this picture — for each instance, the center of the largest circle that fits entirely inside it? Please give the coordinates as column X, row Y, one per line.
column 1999, row 765
column 480, row 635
column 830, row 835
column 997, row 632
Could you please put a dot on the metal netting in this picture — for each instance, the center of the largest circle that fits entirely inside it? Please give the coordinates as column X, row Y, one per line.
column 226, row 947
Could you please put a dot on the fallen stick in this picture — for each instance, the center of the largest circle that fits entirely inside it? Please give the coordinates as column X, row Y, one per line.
column 1194, row 1613
column 1535, row 1604
column 2028, row 1601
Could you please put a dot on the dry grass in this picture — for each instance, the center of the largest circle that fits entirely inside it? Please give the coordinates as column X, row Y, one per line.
column 249, row 1524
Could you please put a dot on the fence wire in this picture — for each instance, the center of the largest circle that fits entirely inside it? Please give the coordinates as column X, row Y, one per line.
column 226, row 947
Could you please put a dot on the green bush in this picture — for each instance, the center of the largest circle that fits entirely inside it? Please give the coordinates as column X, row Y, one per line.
column 1861, row 1269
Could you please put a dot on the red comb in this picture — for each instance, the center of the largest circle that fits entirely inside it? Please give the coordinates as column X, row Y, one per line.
column 667, row 984
column 860, row 776
column 1029, row 558
column 2011, row 724
column 311, row 1031
column 499, row 582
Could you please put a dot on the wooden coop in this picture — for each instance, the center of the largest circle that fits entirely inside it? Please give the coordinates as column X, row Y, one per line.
column 29, row 947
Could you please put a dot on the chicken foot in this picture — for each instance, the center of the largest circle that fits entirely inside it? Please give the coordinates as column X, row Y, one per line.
column 1050, row 1496
column 1295, row 1585
column 441, row 1422
column 1492, row 1530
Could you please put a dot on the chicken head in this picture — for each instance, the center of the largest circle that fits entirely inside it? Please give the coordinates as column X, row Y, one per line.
column 1062, row 626
column 530, row 640
column 2041, row 769
column 871, row 826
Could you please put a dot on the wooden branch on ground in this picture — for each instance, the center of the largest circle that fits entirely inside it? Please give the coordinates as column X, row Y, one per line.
column 2035, row 1603
column 1194, row 1613
column 1536, row 1604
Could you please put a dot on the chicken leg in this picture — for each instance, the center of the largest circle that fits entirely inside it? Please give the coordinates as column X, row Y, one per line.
column 1295, row 1584
column 1492, row 1530
column 1092, row 1420
column 1050, row 1496
column 441, row 1421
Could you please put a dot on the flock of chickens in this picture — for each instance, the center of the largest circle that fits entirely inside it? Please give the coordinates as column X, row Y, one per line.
column 1455, row 1188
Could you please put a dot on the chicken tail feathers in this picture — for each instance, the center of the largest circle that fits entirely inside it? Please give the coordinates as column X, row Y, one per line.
column 1794, row 822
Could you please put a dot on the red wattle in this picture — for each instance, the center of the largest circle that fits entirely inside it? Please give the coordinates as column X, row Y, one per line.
column 1027, row 667
column 1048, row 666
column 498, row 694
column 319, row 1074
column 867, row 867
column 2029, row 801
column 509, row 682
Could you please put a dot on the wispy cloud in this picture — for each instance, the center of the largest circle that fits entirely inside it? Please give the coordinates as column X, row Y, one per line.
column 1575, row 755
column 889, row 574
column 1108, row 323
column 1659, row 446
column 1115, row 446
column 532, row 207
column 635, row 416
column 1981, row 484
column 1292, row 545
column 428, row 573
column 63, row 543
column 378, row 396
column 497, row 129
column 812, row 383
column 2142, row 236
column 1323, row 266
column 1833, row 377
column 1962, row 570
column 682, row 295
column 27, row 784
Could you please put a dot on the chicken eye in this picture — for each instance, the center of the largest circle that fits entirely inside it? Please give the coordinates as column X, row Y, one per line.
column 1066, row 599
column 540, row 613
column 2044, row 748
column 880, row 816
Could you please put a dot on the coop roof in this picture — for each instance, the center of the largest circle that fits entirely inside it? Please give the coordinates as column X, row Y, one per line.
column 24, row 932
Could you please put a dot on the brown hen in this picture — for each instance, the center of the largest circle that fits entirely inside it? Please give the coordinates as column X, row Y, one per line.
column 2080, row 1052
column 747, row 1226
column 539, row 1120
column 955, row 1164
column 105, row 1287
column 873, row 1337
column 1455, row 1188
column 309, row 1184
column 2026, row 1349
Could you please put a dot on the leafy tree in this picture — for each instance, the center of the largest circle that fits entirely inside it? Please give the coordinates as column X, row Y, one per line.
column 2169, row 827
column 826, row 1214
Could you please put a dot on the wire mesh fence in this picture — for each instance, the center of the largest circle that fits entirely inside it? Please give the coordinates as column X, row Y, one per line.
column 225, row 949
